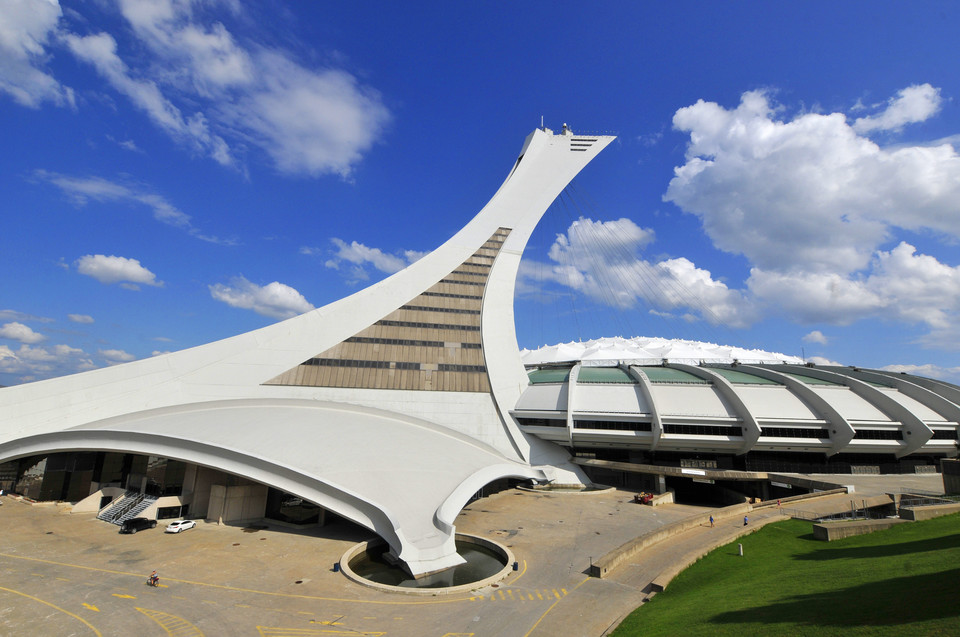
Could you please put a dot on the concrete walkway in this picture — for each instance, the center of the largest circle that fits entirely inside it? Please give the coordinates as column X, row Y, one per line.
column 71, row 574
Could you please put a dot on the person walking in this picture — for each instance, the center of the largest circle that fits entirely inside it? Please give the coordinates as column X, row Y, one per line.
column 745, row 520
column 711, row 521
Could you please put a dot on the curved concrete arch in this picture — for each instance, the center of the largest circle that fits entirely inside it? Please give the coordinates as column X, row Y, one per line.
column 571, row 391
column 547, row 163
column 346, row 458
column 842, row 432
column 255, row 365
column 460, row 497
column 908, row 386
column 656, row 423
column 751, row 428
column 310, row 488
column 948, row 391
column 912, row 425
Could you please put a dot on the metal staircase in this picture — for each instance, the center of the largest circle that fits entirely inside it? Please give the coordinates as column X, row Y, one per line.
column 127, row 506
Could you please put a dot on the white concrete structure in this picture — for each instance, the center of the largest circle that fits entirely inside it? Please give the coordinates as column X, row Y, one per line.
column 390, row 407
column 656, row 395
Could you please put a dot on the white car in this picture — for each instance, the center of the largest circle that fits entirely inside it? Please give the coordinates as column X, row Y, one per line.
column 180, row 525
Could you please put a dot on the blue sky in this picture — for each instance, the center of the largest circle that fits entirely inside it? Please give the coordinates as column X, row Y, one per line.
column 785, row 176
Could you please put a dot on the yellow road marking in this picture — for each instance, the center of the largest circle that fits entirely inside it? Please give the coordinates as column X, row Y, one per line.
column 37, row 599
column 63, row 579
column 122, row 596
column 324, row 623
column 91, row 607
column 521, row 596
column 171, row 624
column 235, row 589
column 269, row 631
column 534, row 627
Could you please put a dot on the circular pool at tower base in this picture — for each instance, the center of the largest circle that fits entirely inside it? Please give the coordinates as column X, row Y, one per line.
column 487, row 562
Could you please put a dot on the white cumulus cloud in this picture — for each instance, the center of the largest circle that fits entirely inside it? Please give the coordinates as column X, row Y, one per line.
column 602, row 260
column 900, row 284
column 275, row 300
column 816, row 336
column 207, row 89
column 808, row 193
column 100, row 50
column 80, row 318
column 911, row 105
column 949, row 374
column 820, row 360
column 814, row 206
column 116, row 356
column 34, row 363
column 352, row 258
column 113, row 269
column 26, row 28
column 308, row 120
column 20, row 332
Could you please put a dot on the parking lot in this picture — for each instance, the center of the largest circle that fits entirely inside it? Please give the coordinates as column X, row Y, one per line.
column 71, row 574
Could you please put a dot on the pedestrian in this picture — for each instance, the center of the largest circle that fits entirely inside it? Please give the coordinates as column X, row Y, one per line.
column 711, row 521
column 745, row 520
column 778, row 503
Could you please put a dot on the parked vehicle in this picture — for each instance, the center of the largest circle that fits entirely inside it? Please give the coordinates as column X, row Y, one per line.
column 137, row 524
column 180, row 526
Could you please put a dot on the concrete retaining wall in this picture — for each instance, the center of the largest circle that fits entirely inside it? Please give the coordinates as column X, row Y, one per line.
column 829, row 531
column 625, row 551
column 798, row 498
column 928, row 512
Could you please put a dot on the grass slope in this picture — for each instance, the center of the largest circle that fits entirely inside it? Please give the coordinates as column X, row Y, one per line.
column 903, row 581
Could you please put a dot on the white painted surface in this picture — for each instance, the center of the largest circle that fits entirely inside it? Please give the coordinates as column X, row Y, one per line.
column 774, row 402
column 690, row 400
column 256, row 431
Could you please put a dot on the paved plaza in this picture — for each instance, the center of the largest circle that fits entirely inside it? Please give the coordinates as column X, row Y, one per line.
column 70, row 574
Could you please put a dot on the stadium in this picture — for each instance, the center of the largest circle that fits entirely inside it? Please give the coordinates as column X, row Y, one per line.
column 393, row 407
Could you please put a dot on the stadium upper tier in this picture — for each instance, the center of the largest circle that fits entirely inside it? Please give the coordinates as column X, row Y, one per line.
column 683, row 402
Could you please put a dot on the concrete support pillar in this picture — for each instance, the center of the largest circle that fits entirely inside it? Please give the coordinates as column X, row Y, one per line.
column 661, row 484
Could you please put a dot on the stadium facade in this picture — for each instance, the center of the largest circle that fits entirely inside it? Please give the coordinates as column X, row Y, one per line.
column 668, row 401
column 394, row 406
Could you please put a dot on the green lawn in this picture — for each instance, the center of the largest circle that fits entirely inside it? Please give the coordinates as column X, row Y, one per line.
column 903, row 581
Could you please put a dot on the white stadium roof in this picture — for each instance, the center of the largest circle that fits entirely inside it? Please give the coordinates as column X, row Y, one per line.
column 650, row 351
